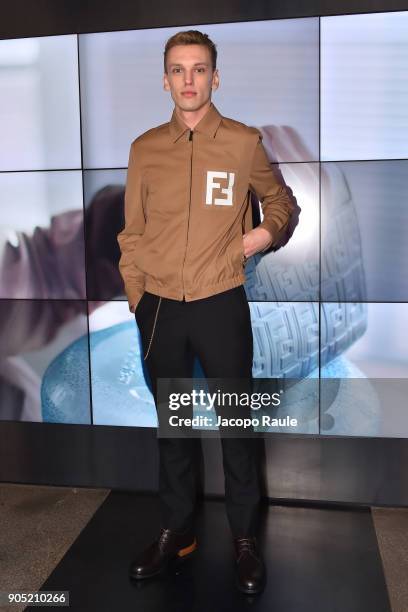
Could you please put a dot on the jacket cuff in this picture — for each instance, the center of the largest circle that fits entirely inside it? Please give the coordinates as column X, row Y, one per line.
column 272, row 228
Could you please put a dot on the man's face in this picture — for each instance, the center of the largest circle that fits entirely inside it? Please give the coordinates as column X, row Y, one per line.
column 190, row 78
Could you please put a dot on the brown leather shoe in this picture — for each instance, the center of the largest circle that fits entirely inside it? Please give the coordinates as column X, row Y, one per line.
column 250, row 571
column 169, row 546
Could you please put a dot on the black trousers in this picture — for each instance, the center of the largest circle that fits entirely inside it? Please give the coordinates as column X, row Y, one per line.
column 217, row 330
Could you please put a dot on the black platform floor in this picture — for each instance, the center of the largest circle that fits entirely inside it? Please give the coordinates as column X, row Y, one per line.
column 318, row 560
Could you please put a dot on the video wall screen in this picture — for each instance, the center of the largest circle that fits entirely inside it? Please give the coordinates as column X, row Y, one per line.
column 329, row 309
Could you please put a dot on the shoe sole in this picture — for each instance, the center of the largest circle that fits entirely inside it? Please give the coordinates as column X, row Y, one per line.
column 188, row 549
column 182, row 555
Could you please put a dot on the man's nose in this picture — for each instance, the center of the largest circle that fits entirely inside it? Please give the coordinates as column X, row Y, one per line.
column 188, row 76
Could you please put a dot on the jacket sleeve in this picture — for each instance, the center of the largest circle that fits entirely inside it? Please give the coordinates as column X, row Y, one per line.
column 133, row 278
column 276, row 204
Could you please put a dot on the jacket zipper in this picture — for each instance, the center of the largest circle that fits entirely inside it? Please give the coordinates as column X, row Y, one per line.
column 190, row 138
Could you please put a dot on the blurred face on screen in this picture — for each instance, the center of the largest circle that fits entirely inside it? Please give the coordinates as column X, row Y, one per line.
column 190, row 77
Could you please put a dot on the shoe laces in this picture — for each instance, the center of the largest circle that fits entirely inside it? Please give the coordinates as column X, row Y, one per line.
column 164, row 537
column 246, row 544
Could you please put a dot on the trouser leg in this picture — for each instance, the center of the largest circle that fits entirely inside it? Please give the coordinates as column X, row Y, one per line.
column 221, row 335
column 170, row 356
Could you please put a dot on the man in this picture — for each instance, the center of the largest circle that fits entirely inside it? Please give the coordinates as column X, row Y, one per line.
column 184, row 247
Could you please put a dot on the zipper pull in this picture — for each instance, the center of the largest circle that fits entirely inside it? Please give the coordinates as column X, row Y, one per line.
column 191, row 135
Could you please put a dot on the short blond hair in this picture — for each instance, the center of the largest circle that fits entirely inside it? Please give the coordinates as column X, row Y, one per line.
column 191, row 37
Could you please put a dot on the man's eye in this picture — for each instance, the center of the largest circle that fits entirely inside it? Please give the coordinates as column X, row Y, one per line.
column 179, row 69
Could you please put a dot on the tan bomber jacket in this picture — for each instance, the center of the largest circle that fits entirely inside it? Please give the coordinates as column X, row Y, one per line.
column 188, row 204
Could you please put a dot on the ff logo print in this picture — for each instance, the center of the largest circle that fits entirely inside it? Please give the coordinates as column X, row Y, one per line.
column 224, row 188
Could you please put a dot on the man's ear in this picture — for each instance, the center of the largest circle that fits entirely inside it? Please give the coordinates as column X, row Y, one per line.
column 215, row 80
column 166, row 85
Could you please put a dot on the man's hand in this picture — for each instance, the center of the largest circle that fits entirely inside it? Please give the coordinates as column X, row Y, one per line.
column 132, row 308
column 258, row 239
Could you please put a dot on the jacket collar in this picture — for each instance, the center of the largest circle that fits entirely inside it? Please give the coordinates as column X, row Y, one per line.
column 207, row 124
